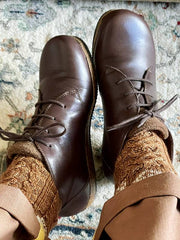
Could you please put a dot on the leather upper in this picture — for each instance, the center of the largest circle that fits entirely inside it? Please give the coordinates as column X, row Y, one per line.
column 65, row 77
column 124, row 53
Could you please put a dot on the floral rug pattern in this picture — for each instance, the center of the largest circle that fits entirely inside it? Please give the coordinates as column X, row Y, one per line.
column 26, row 26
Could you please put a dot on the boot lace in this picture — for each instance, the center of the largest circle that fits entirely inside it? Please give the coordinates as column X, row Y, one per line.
column 149, row 109
column 40, row 132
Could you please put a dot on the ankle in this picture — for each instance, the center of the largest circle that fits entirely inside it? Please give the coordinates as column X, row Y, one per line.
column 35, row 182
column 144, row 155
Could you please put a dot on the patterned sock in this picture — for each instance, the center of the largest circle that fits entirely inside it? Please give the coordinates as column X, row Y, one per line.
column 31, row 177
column 144, row 155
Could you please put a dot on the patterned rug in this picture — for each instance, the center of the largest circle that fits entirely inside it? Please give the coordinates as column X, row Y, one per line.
column 25, row 27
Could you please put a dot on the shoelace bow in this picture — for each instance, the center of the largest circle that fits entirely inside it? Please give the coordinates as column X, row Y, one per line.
column 149, row 108
column 42, row 132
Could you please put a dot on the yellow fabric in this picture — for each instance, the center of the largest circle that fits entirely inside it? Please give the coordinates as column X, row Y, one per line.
column 41, row 235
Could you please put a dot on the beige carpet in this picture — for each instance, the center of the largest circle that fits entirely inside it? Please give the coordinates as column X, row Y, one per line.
column 25, row 27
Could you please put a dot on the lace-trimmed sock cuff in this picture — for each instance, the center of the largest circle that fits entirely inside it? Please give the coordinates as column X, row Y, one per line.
column 144, row 155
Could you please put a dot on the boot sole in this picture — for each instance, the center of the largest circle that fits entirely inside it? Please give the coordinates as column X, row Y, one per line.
column 96, row 32
column 107, row 172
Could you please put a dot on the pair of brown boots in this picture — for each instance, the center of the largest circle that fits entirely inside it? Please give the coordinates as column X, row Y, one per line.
column 51, row 162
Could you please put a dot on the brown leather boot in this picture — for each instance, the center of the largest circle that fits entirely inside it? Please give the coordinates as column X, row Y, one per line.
column 60, row 127
column 124, row 55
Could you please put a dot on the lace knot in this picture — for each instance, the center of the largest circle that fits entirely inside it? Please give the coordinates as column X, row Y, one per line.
column 150, row 113
column 28, row 136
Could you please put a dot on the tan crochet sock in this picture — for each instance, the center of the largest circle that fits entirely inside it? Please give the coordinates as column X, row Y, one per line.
column 31, row 177
column 144, row 155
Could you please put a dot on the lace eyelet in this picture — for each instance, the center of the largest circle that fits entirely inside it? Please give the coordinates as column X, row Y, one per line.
column 64, row 106
column 50, row 146
column 47, row 131
column 54, row 118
